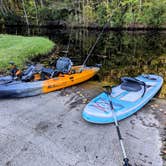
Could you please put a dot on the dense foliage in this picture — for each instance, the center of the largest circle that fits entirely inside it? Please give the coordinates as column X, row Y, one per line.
column 125, row 13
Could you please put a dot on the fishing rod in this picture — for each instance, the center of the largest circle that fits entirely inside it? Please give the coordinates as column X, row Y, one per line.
column 69, row 42
column 98, row 38
column 93, row 47
column 108, row 91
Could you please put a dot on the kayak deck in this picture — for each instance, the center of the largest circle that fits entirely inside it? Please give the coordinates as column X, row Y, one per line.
column 67, row 80
column 125, row 103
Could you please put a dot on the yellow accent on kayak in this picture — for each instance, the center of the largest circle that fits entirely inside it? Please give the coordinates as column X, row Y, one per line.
column 67, row 80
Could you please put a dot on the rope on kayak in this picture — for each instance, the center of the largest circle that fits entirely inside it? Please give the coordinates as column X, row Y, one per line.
column 108, row 91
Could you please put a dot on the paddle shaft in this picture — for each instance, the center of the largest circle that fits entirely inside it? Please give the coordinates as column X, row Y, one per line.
column 126, row 160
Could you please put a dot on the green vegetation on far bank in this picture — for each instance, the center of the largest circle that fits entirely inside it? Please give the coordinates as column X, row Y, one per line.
column 89, row 13
column 21, row 49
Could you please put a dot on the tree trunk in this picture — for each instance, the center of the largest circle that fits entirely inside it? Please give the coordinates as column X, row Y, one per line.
column 25, row 13
column 41, row 2
column 80, row 12
column 76, row 11
column 8, row 6
column 1, row 7
column 35, row 4
column 83, row 16
column 140, row 5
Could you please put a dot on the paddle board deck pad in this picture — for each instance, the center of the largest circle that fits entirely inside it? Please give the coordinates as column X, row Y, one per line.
column 125, row 102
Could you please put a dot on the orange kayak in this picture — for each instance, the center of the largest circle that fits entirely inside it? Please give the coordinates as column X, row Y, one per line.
column 25, row 89
column 67, row 80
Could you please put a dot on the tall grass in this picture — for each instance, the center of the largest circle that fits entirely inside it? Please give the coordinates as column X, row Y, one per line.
column 21, row 49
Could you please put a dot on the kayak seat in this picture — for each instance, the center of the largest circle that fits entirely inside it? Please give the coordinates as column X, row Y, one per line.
column 131, row 86
column 64, row 65
column 27, row 75
column 47, row 70
column 48, row 73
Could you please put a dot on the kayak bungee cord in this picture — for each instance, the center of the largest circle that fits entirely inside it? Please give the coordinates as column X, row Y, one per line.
column 108, row 91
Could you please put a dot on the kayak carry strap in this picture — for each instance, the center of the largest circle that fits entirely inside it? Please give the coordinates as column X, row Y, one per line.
column 133, row 85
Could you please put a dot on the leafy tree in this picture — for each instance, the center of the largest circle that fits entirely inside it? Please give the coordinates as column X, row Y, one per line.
column 154, row 13
column 103, row 12
column 122, row 13
column 89, row 14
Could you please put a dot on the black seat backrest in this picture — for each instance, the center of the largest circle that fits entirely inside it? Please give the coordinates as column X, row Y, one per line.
column 131, row 84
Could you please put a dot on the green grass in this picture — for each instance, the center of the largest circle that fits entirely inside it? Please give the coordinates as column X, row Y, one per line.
column 21, row 49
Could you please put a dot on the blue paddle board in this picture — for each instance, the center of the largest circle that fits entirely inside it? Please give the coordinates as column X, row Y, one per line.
column 125, row 101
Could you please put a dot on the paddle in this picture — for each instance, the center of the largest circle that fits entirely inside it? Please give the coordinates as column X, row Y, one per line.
column 108, row 91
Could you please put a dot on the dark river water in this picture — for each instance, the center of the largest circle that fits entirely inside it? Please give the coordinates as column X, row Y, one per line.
column 121, row 53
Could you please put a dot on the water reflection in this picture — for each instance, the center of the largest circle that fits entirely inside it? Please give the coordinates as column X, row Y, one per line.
column 121, row 53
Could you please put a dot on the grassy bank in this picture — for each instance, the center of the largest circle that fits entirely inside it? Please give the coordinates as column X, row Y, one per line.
column 20, row 49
